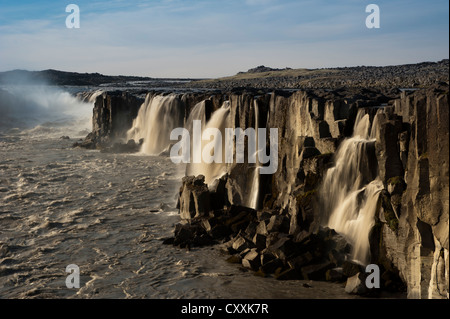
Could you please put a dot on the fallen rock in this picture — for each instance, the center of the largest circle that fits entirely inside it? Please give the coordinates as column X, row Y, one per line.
column 190, row 235
column 301, row 261
column 252, row 260
column 240, row 244
column 218, row 193
column 239, row 217
column 194, row 199
column 261, row 229
column 260, row 241
column 356, row 285
column 271, row 266
column 283, row 248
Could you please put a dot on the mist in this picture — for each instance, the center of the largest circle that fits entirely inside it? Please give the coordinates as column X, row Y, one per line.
column 35, row 108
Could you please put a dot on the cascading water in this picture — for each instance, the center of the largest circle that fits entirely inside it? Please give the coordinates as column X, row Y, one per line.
column 351, row 188
column 156, row 118
column 198, row 113
column 254, row 191
column 214, row 170
column 90, row 96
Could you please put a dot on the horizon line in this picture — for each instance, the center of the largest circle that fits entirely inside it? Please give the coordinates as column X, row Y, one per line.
column 223, row 76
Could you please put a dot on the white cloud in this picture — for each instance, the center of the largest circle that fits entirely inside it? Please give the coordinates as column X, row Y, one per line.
column 207, row 39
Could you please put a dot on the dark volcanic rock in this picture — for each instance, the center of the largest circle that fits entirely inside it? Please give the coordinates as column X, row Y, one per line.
column 252, row 260
column 356, row 285
column 194, row 200
column 113, row 115
column 190, row 235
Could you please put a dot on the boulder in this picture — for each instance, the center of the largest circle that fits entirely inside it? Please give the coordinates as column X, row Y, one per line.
column 356, row 285
column 272, row 238
column 269, row 267
column 239, row 217
column 218, row 193
column 194, row 199
column 240, row 244
column 190, row 235
column 252, row 260
column 278, row 223
column 261, row 229
column 260, row 241
column 283, row 248
column 301, row 261
column 250, row 231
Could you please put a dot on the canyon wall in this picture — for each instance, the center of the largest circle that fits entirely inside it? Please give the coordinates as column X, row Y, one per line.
column 408, row 155
column 413, row 156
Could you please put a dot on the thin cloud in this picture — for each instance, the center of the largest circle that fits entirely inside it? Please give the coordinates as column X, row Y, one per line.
column 171, row 38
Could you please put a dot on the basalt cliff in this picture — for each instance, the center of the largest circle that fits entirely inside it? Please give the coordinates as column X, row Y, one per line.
column 362, row 178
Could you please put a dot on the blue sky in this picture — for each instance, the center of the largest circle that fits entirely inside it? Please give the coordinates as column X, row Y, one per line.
column 209, row 38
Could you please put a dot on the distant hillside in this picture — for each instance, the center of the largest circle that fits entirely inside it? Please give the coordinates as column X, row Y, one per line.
column 417, row 75
column 262, row 68
column 56, row 77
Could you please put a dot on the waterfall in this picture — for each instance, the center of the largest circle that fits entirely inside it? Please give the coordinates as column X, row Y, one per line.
column 254, row 191
column 198, row 112
column 351, row 188
column 156, row 118
column 214, row 170
column 89, row 96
